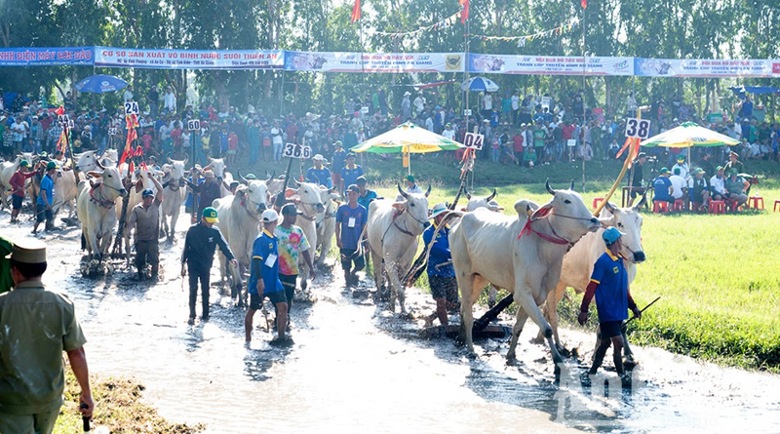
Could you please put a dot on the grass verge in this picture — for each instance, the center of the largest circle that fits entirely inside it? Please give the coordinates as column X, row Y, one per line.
column 118, row 408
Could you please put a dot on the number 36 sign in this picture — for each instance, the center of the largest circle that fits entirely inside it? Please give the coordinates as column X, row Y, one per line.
column 639, row 128
column 294, row 150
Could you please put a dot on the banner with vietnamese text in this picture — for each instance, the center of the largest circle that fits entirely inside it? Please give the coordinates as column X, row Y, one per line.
column 707, row 68
column 373, row 62
column 46, row 56
column 188, row 59
column 549, row 65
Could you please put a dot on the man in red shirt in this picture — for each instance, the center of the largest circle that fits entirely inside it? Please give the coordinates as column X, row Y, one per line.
column 17, row 187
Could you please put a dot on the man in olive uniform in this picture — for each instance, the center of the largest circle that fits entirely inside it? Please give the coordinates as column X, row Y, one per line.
column 36, row 326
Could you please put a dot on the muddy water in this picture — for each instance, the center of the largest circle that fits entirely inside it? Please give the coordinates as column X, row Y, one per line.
column 356, row 368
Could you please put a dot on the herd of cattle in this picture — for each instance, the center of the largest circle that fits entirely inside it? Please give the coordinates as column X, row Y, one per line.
column 535, row 252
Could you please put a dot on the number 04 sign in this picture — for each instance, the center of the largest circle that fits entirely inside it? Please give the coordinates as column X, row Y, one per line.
column 294, row 150
column 474, row 141
column 639, row 128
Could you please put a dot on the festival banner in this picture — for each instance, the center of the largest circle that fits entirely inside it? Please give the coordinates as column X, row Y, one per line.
column 46, row 56
column 550, row 65
column 188, row 59
column 707, row 68
column 373, row 62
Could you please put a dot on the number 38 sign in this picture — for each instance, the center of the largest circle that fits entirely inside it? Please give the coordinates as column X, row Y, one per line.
column 294, row 150
column 639, row 128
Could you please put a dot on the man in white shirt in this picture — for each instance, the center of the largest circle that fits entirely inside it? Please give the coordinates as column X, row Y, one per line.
column 718, row 184
column 515, row 107
column 685, row 171
column 128, row 95
column 678, row 184
column 169, row 100
column 419, row 103
column 448, row 132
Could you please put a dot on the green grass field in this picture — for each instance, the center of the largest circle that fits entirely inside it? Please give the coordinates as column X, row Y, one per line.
column 717, row 274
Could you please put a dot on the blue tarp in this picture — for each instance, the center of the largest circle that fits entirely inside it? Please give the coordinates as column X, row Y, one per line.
column 758, row 90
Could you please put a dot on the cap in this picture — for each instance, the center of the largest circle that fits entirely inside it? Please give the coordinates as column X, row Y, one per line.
column 611, row 235
column 290, row 209
column 438, row 209
column 361, row 180
column 732, row 153
column 29, row 251
column 318, row 157
column 353, row 187
column 338, row 144
column 641, row 155
column 51, row 165
column 494, row 206
column 270, row 216
column 410, row 178
column 407, row 93
column 680, row 158
column 733, row 171
column 148, row 192
column 719, row 168
column 663, row 170
column 699, row 170
column 24, row 163
column 351, row 155
column 210, row 215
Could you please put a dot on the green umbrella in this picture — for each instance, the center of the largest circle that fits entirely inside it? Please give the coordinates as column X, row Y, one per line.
column 409, row 139
column 687, row 135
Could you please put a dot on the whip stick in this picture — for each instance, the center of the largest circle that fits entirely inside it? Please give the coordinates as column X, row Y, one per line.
column 279, row 202
column 633, row 144
column 644, row 309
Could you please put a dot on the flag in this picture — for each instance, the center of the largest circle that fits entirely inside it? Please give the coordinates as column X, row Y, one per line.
column 355, row 12
column 584, row 4
column 60, row 110
column 132, row 135
column 62, row 142
column 464, row 13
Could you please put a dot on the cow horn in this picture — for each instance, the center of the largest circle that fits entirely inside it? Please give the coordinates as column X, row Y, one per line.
column 97, row 162
column 571, row 186
column 241, row 177
column 547, row 186
column 169, row 160
column 641, row 203
column 270, row 178
column 611, row 208
column 466, row 191
column 428, row 191
column 492, row 195
column 403, row 193
column 298, row 183
column 186, row 158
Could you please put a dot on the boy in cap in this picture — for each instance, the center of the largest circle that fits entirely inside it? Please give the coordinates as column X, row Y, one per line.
column 366, row 196
column 36, row 326
column 411, row 185
column 264, row 279
column 319, row 174
column 613, row 300
column 45, row 199
column 17, row 188
column 145, row 217
column 441, row 274
column 200, row 243
column 351, row 218
column 292, row 245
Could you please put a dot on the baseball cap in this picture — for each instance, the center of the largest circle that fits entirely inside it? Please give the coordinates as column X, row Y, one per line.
column 351, row 155
column 611, row 235
column 410, row 178
column 663, row 170
column 680, row 158
column 51, row 165
column 719, row 168
column 210, row 215
column 270, row 216
column 290, row 209
column 353, row 187
column 24, row 163
column 148, row 192
column 361, row 180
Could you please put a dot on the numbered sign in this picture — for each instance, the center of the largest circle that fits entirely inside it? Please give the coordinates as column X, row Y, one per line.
column 63, row 120
column 131, row 108
column 193, row 124
column 467, row 112
column 113, row 131
column 364, row 109
column 639, row 128
column 474, row 141
column 294, row 150
column 70, row 124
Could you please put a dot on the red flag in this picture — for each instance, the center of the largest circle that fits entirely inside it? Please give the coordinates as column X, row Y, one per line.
column 584, row 4
column 60, row 110
column 464, row 13
column 355, row 12
column 132, row 135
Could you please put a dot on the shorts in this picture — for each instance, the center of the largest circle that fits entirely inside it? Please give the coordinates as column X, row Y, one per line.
column 256, row 302
column 610, row 329
column 444, row 287
column 43, row 214
column 16, row 201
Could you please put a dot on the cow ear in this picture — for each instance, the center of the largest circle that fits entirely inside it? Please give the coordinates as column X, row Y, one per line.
column 541, row 212
column 399, row 206
column 611, row 208
column 289, row 192
column 94, row 174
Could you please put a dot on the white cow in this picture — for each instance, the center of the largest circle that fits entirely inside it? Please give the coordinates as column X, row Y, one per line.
column 307, row 198
column 326, row 224
column 578, row 262
column 65, row 191
column 7, row 169
column 217, row 165
column 239, row 221
column 174, row 194
column 523, row 254
column 475, row 203
column 393, row 231
column 96, row 209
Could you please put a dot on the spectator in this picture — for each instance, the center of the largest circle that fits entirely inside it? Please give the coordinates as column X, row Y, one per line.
column 700, row 192
column 36, row 326
column 662, row 187
column 637, row 187
column 718, row 184
column 277, row 140
column 128, row 94
column 169, row 101
column 351, row 171
column 319, row 174
column 153, row 99
column 679, row 185
column 366, row 196
column 685, row 170
column 736, row 188
column 339, row 156
column 411, row 185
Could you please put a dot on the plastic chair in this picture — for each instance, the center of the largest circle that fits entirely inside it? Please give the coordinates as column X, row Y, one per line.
column 777, row 204
column 756, row 202
column 597, row 201
column 717, row 207
column 679, row 205
column 660, row 207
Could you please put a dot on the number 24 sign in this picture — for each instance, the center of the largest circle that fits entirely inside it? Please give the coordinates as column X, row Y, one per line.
column 639, row 128
column 294, row 150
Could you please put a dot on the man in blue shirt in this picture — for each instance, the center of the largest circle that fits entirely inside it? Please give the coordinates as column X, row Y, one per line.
column 441, row 274
column 264, row 279
column 351, row 171
column 613, row 299
column 351, row 218
column 319, row 174
column 45, row 199
column 662, row 187
column 366, row 196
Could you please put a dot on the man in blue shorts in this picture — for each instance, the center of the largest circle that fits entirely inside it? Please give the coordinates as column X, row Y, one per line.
column 441, row 274
column 351, row 217
column 613, row 300
column 264, row 279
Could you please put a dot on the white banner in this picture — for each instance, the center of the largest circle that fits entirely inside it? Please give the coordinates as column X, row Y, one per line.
column 550, row 65
column 376, row 62
column 707, row 68
column 188, row 59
